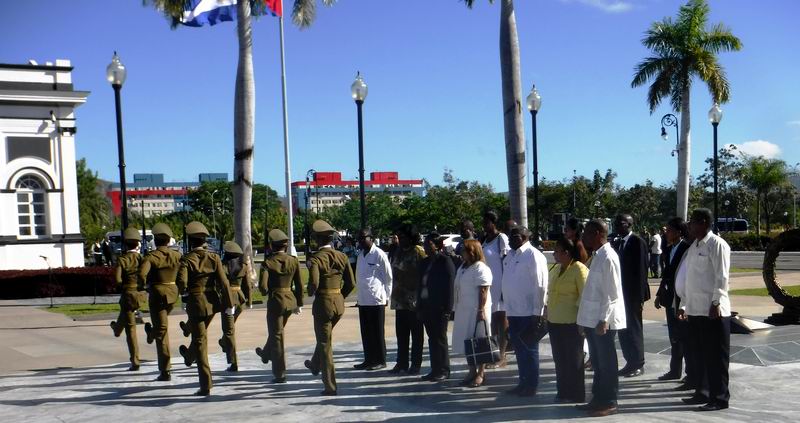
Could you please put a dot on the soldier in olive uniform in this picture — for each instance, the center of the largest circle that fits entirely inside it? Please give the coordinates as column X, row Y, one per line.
column 238, row 271
column 202, row 277
column 159, row 269
column 330, row 280
column 278, row 272
column 131, row 296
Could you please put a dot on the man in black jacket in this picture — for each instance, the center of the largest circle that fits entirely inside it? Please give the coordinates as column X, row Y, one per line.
column 435, row 294
column 665, row 297
column 632, row 251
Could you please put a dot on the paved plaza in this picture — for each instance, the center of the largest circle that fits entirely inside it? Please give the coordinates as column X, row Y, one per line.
column 55, row 369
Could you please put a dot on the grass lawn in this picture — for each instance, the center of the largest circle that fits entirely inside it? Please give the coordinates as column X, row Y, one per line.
column 745, row 270
column 78, row 310
column 762, row 292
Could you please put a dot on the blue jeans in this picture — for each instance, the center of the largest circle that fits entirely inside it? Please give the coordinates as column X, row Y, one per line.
column 603, row 351
column 527, row 353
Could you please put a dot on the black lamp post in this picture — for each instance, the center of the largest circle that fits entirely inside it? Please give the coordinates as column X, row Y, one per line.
column 715, row 116
column 116, row 74
column 727, row 216
column 670, row 120
column 308, row 199
column 534, row 104
column 359, row 92
column 597, row 209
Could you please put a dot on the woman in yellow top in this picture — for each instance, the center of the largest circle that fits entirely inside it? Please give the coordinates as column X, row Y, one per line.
column 564, row 290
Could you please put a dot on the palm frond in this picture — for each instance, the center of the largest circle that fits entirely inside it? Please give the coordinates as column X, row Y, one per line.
column 304, row 12
column 660, row 88
column 649, row 68
column 713, row 74
column 719, row 39
column 662, row 37
column 471, row 3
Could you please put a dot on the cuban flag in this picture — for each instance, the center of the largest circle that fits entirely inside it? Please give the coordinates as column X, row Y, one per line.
column 208, row 12
column 275, row 7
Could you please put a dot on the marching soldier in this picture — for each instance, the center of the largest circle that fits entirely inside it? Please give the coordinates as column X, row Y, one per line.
column 238, row 271
column 131, row 293
column 278, row 272
column 202, row 277
column 159, row 269
column 330, row 280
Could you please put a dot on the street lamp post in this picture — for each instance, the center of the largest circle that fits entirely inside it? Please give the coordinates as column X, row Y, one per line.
column 715, row 116
column 359, row 92
column 534, row 101
column 728, row 216
column 596, row 208
column 670, row 120
column 213, row 214
column 308, row 199
column 116, row 74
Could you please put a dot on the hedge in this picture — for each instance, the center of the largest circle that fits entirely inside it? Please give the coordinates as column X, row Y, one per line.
column 66, row 281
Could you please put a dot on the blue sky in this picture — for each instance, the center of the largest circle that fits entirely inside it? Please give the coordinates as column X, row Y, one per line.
column 433, row 72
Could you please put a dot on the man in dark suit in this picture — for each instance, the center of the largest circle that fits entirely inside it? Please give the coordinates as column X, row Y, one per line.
column 633, row 255
column 665, row 297
column 435, row 293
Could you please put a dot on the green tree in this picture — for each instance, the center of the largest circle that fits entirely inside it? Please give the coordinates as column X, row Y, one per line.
column 303, row 14
column 642, row 202
column 762, row 176
column 682, row 50
column 513, row 123
column 94, row 208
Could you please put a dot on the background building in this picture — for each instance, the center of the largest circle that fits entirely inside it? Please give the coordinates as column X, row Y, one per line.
column 327, row 189
column 149, row 194
column 39, row 221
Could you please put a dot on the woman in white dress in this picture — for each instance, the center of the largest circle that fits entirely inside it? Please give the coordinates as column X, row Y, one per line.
column 472, row 304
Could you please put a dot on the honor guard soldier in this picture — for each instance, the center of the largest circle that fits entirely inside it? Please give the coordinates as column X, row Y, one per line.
column 278, row 273
column 202, row 277
column 131, row 295
column 159, row 269
column 238, row 271
column 330, row 280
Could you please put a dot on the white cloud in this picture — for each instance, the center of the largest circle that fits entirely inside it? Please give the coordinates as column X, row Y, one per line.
column 760, row 148
column 609, row 6
column 793, row 123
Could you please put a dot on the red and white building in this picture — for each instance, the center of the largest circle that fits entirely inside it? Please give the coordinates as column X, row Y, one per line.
column 328, row 189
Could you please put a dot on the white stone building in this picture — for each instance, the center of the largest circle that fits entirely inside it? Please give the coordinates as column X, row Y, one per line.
column 39, row 222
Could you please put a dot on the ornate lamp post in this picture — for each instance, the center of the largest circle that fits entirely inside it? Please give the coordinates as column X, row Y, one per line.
column 715, row 116
column 670, row 120
column 116, row 74
column 359, row 92
column 534, row 101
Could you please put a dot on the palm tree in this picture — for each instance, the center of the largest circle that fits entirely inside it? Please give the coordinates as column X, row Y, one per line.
column 762, row 175
column 513, row 123
column 303, row 15
column 684, row 49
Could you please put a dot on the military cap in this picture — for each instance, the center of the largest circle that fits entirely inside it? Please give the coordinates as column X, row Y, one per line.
column 232, row 247
column 162, row 229
column 196, row 229
column 277, row 235
column 132, row 234
column 321, row 226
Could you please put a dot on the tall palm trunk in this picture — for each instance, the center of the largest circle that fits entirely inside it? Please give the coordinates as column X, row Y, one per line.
column 243, row 128
column 684, row 158
column 513, row 123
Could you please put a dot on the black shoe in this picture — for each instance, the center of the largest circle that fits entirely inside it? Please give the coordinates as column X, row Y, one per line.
column 279, row 380
column 133, row 368
column 310, row 366
column 712, row 406
column 378, row 366
column 695, row 400
column 634, row 373
column 527, row 392
column 623, row 371
column 263, row 354
column 232, row 368
column 427, row 377
column 361, row 366
column 684, row 387
column 438, row 378
column 164, row 376
column 396, row 370
column 413, row 370
column 185, row 329
column 148, row 329
column 203, row 392
column 185, row 354
column 328, row 393
column 223, row 345
column 670, row 376
column 515, row 390
column 113, row 325
column 589, row 406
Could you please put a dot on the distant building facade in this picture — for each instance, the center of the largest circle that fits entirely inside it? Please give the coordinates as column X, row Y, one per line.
column 327, row 189
column 148, row 194
column 39, row 219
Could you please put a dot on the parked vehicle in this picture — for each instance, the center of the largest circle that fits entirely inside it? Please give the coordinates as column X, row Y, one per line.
column 732, row 225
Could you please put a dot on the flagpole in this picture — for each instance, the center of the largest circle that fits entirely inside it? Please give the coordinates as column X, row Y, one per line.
column 286, row 141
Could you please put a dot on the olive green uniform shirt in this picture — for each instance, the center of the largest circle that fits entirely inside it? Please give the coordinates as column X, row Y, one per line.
column 278, row 272
column 330, row 269
column 159, row 269
column 127, row 276
column 202, row 276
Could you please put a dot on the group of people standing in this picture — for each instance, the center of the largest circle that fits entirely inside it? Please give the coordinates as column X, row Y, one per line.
column 499, row 285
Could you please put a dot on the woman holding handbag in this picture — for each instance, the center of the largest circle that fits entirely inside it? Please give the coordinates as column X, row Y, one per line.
column 473, row 306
